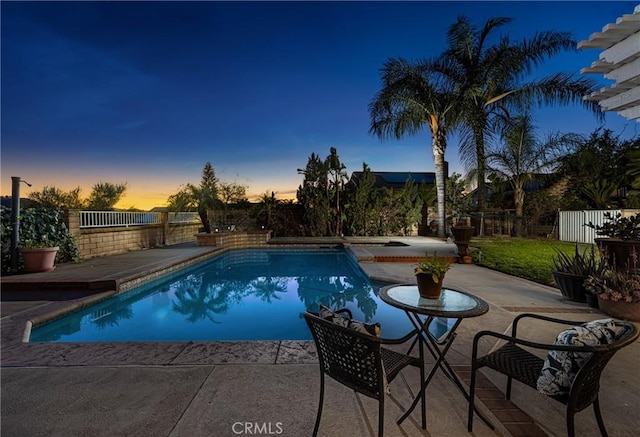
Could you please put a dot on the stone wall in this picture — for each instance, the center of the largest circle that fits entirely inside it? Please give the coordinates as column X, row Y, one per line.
column 96, row 242
column 235, row 240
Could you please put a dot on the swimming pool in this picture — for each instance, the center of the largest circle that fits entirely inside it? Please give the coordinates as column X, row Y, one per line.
column 249, row 294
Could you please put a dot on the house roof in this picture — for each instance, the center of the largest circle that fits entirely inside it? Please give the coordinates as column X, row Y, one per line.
column 620, row 61
column 396, row 180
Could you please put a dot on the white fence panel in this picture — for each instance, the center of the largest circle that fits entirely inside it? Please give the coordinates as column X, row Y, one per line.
column 106, row 219
column 571, row 224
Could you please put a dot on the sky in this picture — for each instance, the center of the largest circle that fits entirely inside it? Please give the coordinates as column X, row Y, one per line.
column 145, row 93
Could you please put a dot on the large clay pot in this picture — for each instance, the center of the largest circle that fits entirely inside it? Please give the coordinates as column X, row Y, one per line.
column 621, row 253
column 620, row 309
column 427, row 287
column 40, row 259
column 571, row 286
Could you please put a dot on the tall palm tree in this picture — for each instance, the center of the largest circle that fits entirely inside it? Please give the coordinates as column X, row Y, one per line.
column 493, row 78
column 412, row 97
column 521, row 154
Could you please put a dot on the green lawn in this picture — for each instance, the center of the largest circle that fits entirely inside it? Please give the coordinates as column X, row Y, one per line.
column 529, row 259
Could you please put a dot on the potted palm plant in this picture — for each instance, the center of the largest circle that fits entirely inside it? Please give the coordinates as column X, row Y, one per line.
column 430, row 273
column 571, row 271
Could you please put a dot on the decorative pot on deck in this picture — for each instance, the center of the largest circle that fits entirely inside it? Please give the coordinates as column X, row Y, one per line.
column 40, row 259
column 571, row 286
column 462, row 237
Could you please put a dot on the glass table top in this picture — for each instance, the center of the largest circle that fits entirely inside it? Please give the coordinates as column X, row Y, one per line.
column 453, row 303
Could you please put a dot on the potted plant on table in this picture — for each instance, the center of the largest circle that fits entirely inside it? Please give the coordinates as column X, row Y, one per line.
column 430, row 273
column 571, row 271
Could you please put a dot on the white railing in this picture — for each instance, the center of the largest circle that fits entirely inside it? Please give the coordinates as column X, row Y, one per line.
column 184, row 217
column 106, row 219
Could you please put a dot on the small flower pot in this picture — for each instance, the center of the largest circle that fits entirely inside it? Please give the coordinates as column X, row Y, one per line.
column 427, row 287
column 592, row 300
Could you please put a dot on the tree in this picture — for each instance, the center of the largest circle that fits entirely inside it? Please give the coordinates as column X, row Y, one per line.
column 491, row 79
column 231, row 192
column 52, row 197
column 457, row 202
column 202, row 198
column 360, row 201
column 413, row 96
column 105, row 195
column 312, row 195
column 521, row 154
column 269, row 203
column 337, row 176
column 611, row 171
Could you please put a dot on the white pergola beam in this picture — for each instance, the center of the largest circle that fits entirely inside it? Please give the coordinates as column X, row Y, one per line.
column 627, row 72
column 620, row 62
column 623, row 100
column 628, row 48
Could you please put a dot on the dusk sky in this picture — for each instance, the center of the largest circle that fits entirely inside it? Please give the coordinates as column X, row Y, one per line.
column 147, row 92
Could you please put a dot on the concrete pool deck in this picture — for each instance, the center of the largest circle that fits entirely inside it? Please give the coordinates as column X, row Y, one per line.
column 266, row 388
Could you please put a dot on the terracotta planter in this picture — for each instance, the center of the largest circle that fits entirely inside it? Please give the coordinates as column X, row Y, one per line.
column 427, row 287
column 41, row 259
column 571, row 286
column 621, row 310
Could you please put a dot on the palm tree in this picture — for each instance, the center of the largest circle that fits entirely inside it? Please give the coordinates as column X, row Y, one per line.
column 521, row 154
column 492, row 79
column 412, row 97
column 203, row 197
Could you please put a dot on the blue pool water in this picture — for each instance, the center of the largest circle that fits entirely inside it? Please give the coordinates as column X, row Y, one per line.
column 240, row 295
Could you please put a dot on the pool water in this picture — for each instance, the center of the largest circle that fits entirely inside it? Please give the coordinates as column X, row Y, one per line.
column 240, row 295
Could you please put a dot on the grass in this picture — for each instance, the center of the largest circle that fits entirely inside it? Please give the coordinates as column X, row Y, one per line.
column 529, row 259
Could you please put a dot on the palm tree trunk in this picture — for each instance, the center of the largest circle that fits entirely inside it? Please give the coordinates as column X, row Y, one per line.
column 518, row 194
column 439, row 145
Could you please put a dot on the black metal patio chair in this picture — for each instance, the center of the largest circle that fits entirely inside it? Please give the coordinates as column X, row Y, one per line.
column 358, row 361
column 512, row 360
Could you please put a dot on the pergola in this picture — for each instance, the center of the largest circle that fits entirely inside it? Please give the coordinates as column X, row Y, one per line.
column 620, row 62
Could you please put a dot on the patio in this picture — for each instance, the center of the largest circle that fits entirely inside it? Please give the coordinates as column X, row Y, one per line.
column 253, row 388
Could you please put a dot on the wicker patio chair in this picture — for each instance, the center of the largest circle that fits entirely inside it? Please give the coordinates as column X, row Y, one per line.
column 517, row 363
column 358, row 361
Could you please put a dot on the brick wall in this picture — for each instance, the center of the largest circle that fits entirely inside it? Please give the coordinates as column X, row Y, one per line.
column 235, row 240
column 97, row 242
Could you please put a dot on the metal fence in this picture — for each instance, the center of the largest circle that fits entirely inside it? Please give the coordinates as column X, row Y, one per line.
column 107, row 219
column 571, row 224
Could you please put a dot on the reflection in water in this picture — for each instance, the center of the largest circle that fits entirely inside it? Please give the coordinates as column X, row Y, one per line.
column 230, row 292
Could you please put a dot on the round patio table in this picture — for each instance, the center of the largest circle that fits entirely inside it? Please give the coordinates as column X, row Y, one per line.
column 437, row 320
